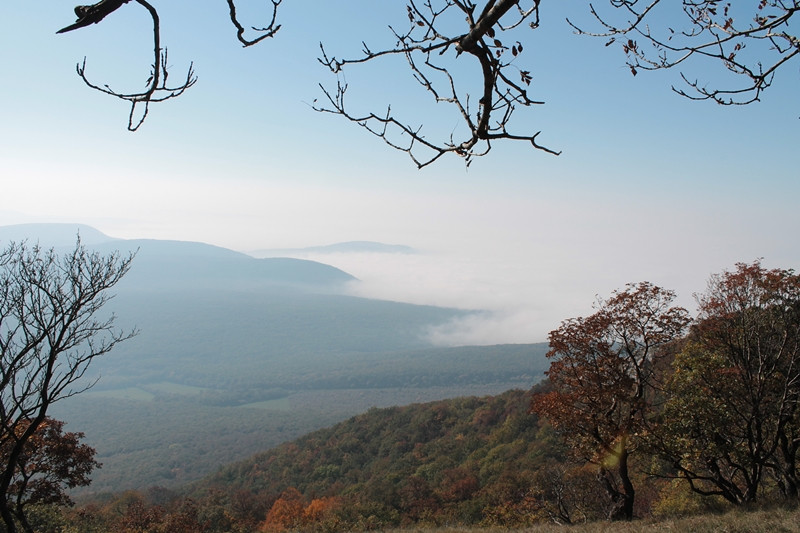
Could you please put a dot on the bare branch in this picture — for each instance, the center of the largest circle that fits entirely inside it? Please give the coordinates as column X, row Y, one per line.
column 433, row 56
column 714, row 31
column 157, row 89
column 93, row 14
column 266, row 32
column 51, row 332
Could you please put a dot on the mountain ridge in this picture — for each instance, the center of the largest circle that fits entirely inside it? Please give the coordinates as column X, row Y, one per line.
column 179, row 264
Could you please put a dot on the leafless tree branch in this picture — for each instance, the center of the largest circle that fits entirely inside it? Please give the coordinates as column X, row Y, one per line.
column 51, row 329
column 266, row 32
column 157, row 89
column 432, row 55
column 715, row 30
column 464, row 54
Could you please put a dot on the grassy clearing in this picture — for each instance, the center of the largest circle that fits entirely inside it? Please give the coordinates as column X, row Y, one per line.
column 738, row 521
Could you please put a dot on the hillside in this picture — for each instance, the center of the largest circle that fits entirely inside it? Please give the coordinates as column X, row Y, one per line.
column 468, row 460
column 171, row 265
column 236, row 354
column 468, row 464
column 166, row 422
column 49, row 235
column 419, row 450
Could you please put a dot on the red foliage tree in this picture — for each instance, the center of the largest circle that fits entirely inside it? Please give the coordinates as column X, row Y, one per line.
column 602, row 377
column 51, row 461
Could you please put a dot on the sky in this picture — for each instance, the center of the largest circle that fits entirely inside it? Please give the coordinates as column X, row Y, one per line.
column 649, row 186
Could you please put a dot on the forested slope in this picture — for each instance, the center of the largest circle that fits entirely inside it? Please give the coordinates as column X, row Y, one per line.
column 465, row 460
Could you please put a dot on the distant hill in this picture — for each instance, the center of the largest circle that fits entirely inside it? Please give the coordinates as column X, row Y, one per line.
column 52, row 235
column 165, row 264
column 237, row 354
column 342, row 247
column 177, row 264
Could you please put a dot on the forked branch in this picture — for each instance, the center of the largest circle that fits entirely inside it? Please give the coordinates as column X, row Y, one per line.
column 157, row 89
column 751, row 39
column 433, row 55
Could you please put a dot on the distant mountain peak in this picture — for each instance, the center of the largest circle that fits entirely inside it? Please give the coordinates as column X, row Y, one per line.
column 53, row 234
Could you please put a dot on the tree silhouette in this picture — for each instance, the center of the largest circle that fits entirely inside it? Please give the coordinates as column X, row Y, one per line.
column 50, row 332
column 484, row 42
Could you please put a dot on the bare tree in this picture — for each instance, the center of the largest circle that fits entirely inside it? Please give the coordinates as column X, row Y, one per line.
column 484, row 40
column 50, row 332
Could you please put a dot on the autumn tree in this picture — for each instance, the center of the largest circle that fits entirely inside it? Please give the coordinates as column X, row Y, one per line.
column 50, row 462
column 286, row 513
column 733, row 416
column 603, row 377
column 470, row 56
column 51, row 329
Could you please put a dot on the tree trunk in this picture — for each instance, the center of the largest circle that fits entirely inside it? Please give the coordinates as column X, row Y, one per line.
column 622, row 497
column 8, row 518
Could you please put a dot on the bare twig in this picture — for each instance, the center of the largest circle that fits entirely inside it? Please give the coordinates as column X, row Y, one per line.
column 715, row 30
column 266, row 32
column 431, row 55
column 157, row 89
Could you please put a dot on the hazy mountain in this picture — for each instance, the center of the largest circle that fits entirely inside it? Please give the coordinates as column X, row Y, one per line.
column 52, row 235
column 175, row 264
column 163, row 264
column 338, row 248
column 237, row 354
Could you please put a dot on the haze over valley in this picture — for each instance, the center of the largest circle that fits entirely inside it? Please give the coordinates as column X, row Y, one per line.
column 236, row 354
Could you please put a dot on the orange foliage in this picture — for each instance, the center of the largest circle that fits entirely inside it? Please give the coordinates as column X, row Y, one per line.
column 286, row 512
column 319, row 509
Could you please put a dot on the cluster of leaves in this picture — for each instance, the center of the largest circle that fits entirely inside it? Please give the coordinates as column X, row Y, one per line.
column 739, row 377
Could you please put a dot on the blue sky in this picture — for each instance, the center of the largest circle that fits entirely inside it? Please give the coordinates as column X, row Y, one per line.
column 649, row 185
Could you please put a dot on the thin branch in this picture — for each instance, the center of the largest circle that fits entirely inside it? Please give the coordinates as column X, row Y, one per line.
column 157, row 89
column 714, row 33
column 266, row 32
column 432, row 56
